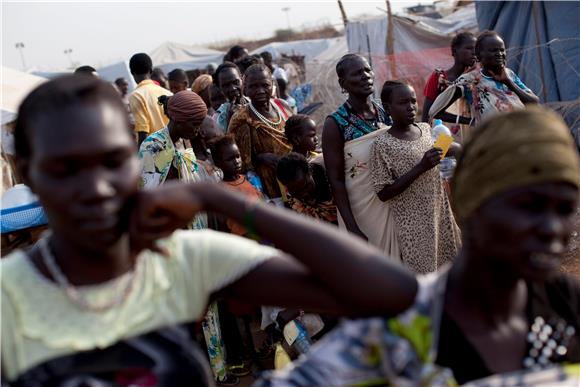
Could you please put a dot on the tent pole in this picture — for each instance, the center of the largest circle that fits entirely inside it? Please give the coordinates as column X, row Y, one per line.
column 539, row 49
column 391, row 41
column 343, row 13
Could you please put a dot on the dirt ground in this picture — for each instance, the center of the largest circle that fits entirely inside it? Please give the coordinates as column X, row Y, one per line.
column 571, row 263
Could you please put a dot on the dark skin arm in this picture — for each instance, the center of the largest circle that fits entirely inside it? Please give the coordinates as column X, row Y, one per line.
column 333, row 151
column 430, row 159
column 524, row 96
column 426, row 106
column 329, row 271
column 448, row 117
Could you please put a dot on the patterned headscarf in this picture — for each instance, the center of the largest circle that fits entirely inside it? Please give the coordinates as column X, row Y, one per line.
column 186, row 106
column 513, row 150
column 201, row 83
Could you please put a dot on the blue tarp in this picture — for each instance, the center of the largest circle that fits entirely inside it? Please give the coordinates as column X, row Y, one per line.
column 543, row 40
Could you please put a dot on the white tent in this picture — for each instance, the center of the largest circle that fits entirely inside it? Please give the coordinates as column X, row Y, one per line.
column 15, row 87
column 117, row 70
column 309, row 48
column 171, row 55
column 411, row 33
column 192, row 64
column 171, row 52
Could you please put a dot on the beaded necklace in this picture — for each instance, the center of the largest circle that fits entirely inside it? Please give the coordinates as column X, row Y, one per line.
column 71, row 291
column 267, row 122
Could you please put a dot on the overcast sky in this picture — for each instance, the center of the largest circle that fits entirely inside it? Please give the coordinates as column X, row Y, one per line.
column 100, row 33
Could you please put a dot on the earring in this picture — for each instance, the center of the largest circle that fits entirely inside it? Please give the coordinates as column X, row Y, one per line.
column 342, row 90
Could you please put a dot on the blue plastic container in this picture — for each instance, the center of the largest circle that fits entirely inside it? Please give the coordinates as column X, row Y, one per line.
column 22, row 217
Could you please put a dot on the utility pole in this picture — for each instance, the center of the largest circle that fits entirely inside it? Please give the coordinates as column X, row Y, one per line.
column 20, row 46
column 287, row 11
column 68, row 52
column 343, row 14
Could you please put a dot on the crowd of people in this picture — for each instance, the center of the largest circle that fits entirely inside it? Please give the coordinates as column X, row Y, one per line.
column 189, row 211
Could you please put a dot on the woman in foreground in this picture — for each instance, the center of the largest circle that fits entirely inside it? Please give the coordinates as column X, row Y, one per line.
column 90, row 302
column 503, row 306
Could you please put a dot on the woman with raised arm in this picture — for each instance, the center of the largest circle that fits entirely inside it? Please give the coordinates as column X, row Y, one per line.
column 346, row 144
column 89, row 303
column 488, row 90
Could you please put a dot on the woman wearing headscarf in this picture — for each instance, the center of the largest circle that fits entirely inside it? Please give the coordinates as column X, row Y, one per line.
column 346, row 144
column 503, row 308
column 165, row 157
column 259, row 128
column 488, row 90
column 201, row 86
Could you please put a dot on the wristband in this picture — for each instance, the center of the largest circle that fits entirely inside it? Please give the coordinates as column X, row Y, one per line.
column 249, row 215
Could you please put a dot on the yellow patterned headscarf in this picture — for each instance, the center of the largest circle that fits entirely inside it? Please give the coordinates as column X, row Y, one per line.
column 513, row 150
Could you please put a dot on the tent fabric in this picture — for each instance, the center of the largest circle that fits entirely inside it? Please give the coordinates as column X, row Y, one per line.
column 543, row 40
column 192, row 64
column 15, row 87
column 117, row 70
column 411, row 33
column 310, row 48
column 171, row 52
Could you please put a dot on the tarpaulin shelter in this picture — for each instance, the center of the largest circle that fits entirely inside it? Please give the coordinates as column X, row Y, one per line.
column 117, row 70
column 15, row 87
column 418, row 44
column 171, row 55
column 308, row 48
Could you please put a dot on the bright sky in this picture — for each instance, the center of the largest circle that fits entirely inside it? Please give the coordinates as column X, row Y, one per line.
column 100, row 33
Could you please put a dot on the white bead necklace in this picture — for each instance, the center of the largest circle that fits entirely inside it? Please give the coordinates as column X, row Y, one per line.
column 71, row 291
column 270, row 124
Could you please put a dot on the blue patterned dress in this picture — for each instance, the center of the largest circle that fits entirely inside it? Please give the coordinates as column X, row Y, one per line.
column 353, row 126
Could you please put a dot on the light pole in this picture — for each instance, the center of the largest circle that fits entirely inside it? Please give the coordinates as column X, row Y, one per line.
column 19, row 46
column 287, row 10
column 68, row 52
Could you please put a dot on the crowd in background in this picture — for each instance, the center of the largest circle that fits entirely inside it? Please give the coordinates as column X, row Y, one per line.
column 447, row 225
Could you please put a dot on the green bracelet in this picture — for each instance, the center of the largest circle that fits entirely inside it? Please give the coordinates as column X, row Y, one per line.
column 249, row 215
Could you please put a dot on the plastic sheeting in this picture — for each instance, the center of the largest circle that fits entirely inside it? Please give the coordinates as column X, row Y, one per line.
column 117, row 70
column 411, row 33
column 171, row 52
column 15, row 87
column 309, row 48
column 543, row 40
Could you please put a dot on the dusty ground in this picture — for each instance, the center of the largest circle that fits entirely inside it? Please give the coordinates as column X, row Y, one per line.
column 571, row 262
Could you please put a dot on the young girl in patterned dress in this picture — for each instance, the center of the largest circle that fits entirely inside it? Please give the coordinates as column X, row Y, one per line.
column 403, row 170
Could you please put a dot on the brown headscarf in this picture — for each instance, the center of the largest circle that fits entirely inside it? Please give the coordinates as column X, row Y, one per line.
column 201, row 83
column 186, row 106
column 513, row 150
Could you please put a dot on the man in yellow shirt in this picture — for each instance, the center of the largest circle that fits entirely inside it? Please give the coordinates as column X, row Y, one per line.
column 148, row 114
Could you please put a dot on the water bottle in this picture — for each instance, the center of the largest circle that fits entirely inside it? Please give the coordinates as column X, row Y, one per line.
column 302, row 342
column 447, row 165
column 254, row 180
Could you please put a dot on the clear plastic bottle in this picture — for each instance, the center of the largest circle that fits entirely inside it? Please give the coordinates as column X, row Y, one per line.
column 447, row 165
column 302, row 342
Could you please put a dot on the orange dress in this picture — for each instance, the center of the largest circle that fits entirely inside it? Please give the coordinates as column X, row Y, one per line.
column 243, row 186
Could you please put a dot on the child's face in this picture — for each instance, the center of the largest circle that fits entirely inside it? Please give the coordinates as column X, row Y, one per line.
column 230, row 160
column 302, row 187
column 307, row 140
column 403, row 105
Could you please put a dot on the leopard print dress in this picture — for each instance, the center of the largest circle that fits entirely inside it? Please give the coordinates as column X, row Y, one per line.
column 428, row 235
